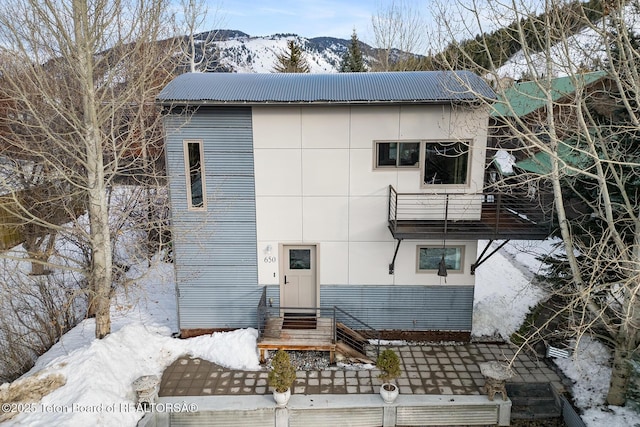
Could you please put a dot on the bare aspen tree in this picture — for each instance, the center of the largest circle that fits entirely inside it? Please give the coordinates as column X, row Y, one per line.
column 199, row 44
column 589, row 137
column 79, row 79
column 399, row 30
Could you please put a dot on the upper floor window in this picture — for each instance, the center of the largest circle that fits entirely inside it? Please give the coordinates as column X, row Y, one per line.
column 446, row 162
column 194, row 156
column 397, row 154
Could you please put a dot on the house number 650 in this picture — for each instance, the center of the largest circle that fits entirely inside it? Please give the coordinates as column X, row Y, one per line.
column 269, row 259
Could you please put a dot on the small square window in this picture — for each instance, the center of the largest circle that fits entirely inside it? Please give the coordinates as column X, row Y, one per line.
column 300, row 259
column 397, row 154
column 429, row 258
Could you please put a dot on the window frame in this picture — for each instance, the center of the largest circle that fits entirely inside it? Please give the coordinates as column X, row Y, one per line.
column 187, row 173
column 461, row 249
column 422, row 159
column 423, row 163
column 376, row 154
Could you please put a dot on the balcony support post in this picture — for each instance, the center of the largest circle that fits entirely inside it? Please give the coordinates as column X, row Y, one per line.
column 392, row 266
column 481, row 259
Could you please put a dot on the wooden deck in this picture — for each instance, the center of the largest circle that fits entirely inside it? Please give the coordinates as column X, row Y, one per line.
column 276, row 337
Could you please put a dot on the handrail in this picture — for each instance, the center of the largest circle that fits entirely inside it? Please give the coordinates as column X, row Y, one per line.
column 375, row 334
column 496, row 209
column 393, row 205
column 338, row 315
column 262, row 311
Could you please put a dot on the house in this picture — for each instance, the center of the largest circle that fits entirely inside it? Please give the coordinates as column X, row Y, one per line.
column 357, row 190
column 520, row 116
column 522, row 108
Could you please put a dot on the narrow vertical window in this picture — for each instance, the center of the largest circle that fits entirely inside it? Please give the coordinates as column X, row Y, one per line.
column 195, row 174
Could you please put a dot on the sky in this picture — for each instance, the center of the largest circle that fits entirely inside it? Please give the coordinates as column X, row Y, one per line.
column 338, row 18
column 308, row 18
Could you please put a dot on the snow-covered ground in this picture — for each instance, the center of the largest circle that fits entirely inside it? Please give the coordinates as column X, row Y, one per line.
column 99, row 373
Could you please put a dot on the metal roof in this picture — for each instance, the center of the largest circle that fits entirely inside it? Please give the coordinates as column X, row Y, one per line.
column 526, row 97
column 343, row 88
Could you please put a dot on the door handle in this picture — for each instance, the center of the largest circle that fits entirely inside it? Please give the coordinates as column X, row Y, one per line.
column 285, row 279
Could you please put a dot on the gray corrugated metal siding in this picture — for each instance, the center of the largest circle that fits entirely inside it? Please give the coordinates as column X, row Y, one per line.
column 215, row 250
column 444, row 415
column 256, row 417
column 445, row 308
column 391, row 87
column 353, row 417
column 421, row 308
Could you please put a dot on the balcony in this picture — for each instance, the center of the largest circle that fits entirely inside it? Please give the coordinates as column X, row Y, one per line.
column 480, row 216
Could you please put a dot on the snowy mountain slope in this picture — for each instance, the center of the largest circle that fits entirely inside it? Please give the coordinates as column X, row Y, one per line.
column 585, row 49
column 235, row 51
column 259, row 54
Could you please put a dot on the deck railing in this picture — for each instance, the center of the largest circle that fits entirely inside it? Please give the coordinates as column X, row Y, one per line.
column 262, row 312
column 497, row 211
column 358, row 335
column 365, row 331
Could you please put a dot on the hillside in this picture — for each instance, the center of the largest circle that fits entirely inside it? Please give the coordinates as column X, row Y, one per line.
column 236, row 51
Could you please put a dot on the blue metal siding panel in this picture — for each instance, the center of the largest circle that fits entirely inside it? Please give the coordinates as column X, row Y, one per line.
column 436, row 308
column 207, row 307
column 445, row 308
column 215, row 250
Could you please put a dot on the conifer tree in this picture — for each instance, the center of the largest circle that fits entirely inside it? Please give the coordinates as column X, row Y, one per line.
column 291, row 61
column 352, row 60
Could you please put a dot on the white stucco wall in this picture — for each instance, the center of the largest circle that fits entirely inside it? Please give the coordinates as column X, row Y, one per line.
column 316, row 184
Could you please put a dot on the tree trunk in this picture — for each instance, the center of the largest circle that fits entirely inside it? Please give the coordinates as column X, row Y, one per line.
column 620, row 370
column 101, row 266
column 628, row 337
column 100, row 275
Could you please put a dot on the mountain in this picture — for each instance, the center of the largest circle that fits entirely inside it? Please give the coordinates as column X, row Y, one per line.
column 235, row 51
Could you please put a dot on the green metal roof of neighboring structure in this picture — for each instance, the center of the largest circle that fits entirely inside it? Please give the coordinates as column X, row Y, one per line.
column 337, row 88
column 568, row 154
column 526, row 97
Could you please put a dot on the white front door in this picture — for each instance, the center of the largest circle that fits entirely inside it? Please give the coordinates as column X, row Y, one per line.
column 298, row 284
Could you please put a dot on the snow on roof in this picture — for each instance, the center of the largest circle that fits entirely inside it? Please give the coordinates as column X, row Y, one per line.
column 346, row 88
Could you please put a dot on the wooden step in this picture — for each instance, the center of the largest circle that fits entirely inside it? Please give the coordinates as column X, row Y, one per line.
column 351, row 354
column 350, row 337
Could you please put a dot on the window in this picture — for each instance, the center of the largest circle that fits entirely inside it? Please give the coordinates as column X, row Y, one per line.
column 397, row 154
column 300, row 259
column 446, row 162
column 195, row 174
column 429, row 258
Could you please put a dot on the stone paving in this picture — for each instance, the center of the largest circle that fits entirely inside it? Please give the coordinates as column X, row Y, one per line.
column 426, row 369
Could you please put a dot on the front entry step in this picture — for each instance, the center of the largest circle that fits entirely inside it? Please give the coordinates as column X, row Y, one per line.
column 299, row 321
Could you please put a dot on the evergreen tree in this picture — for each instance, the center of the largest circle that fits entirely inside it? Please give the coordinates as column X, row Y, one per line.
column 352, row 60
column 291, row 61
